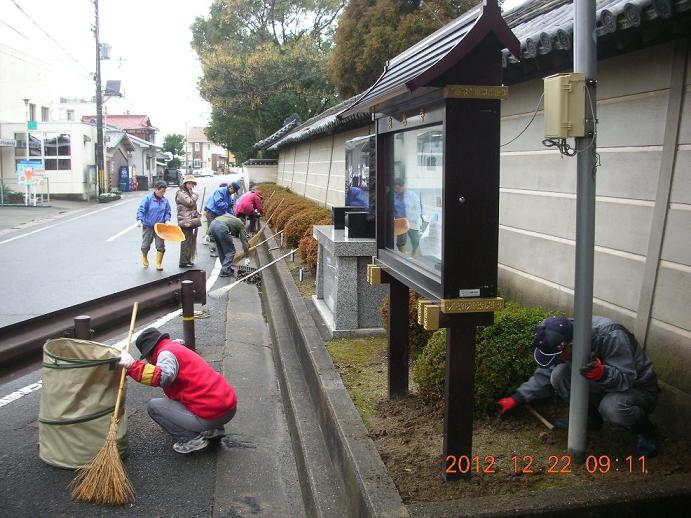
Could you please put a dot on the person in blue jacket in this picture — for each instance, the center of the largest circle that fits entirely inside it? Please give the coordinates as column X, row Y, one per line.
column 355, row 195
column 153, row 209
column 219, row 203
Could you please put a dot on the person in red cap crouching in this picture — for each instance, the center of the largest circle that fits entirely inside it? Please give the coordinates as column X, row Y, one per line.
column 622, row 381
column 199, row 400
column 249, row 206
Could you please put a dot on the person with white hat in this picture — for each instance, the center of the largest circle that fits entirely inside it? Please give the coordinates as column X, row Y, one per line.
column 188, row 218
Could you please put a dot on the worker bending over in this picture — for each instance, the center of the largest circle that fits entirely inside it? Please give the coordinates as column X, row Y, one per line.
column 198, row 402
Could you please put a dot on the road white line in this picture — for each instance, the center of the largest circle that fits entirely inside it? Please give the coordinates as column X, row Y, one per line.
column 122, row 232
column 66, row 221
column 20, row 393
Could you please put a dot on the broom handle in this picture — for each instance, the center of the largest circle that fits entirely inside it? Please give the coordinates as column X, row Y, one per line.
column 274, row 212
column 121, row 389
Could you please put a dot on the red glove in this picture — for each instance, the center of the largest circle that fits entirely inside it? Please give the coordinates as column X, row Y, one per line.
column 593, row 370
column 506, row 404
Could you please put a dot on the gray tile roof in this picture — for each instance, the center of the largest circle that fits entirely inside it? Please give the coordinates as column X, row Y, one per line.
column 428, row 59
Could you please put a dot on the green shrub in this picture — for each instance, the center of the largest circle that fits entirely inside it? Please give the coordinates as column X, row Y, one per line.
column 417, row 335
column 503, row 358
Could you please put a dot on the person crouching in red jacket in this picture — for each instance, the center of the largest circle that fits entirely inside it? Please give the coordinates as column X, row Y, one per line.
column 249, row 206
column 199, row 400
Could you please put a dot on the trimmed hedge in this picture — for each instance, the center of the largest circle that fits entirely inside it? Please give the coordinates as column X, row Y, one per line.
column 417, row 335
column 503, row 358
column 296, row 215
column 297, row 225
column 309, row 247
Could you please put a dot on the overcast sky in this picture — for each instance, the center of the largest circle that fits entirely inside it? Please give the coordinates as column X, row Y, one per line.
column 159, row 71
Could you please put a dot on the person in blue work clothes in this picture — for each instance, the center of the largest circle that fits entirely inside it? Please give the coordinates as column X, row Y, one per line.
column 154, row 208
column 621, row 379
column 407, row 205
column 355, row 196
column 219, row 203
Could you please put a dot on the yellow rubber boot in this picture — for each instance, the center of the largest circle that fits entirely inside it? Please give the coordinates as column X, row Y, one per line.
column 159, row 260
column 145, row 259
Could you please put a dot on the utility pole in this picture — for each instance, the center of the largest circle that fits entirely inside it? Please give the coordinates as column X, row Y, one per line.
column 99, row 110
column 584, row 61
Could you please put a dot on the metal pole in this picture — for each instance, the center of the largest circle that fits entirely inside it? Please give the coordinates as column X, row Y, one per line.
column 82, row 327
column 188, row 314
column 99, row 109
column 26, row 186
column 585, row 61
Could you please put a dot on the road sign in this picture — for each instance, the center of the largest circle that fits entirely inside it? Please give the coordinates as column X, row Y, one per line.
column 32, row 125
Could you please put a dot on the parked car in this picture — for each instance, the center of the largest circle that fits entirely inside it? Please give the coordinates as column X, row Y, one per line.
column 172, row 176
column 203, row 172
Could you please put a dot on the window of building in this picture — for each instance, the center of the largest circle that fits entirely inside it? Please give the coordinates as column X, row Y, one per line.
column 70, row 115
column 197, row 163
column 34, row 145
column 57, row 152
column 196, row 146
column 32, row 112
column 45, row 113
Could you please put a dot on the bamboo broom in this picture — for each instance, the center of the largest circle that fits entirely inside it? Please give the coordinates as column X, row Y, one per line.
column 104, row 479
column 254, row 240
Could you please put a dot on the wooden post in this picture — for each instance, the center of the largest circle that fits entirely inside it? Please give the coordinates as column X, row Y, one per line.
column 398, row 339
column 458, row 396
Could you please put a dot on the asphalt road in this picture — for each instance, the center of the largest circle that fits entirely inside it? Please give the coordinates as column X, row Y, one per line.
column 80, row 255
column 251, row 471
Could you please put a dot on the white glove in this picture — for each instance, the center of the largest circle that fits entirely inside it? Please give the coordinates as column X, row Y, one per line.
column 247, row 261
column 126, row 360
column 139, row 223
column 167, row 222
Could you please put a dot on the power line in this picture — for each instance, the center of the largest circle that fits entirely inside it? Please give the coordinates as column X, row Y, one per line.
column 15, row 30
column 50, row 37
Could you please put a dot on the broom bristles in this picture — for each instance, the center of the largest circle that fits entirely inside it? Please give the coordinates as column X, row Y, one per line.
column 104, row 480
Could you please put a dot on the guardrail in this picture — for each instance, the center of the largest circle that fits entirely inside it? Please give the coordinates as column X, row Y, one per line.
column 107, row 314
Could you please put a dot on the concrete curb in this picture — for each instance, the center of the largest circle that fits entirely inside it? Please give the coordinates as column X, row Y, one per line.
column 368, row 489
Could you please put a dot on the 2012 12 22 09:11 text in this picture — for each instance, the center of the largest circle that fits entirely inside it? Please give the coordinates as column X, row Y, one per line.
column 556, row 464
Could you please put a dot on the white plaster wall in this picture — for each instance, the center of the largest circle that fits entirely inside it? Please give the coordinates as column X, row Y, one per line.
column 538, row 197
column 260, row 173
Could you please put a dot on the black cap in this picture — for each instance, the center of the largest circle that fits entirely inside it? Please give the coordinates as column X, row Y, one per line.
column 148, row 339
column 550, row 337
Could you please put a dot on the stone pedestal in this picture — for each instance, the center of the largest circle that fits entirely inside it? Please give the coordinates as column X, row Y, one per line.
column 346, row 302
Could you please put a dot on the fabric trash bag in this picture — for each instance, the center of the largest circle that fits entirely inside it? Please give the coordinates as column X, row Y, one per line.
column 80, row 385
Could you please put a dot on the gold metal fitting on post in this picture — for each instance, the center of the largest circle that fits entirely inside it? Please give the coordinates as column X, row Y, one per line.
column 484, row 305
column 421, row 303
column 431, row 317
column 374, row 274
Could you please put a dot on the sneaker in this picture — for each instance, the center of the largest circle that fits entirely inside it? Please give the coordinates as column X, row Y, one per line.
column 224, row 274
column 213, row 254
column 216, row 433
column 197, row 443
column 646, row 444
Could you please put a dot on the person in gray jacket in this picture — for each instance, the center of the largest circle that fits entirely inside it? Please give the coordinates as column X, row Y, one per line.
column 622, row 381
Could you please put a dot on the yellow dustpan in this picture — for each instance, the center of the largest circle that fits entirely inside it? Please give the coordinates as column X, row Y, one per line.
column 169, row 232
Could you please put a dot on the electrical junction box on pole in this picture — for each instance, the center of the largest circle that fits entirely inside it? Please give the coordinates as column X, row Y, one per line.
column 565, row 105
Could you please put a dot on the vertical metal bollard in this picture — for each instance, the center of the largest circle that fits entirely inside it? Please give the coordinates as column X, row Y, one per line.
column 82, row 327
column 302, row 274
column 188, row 314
